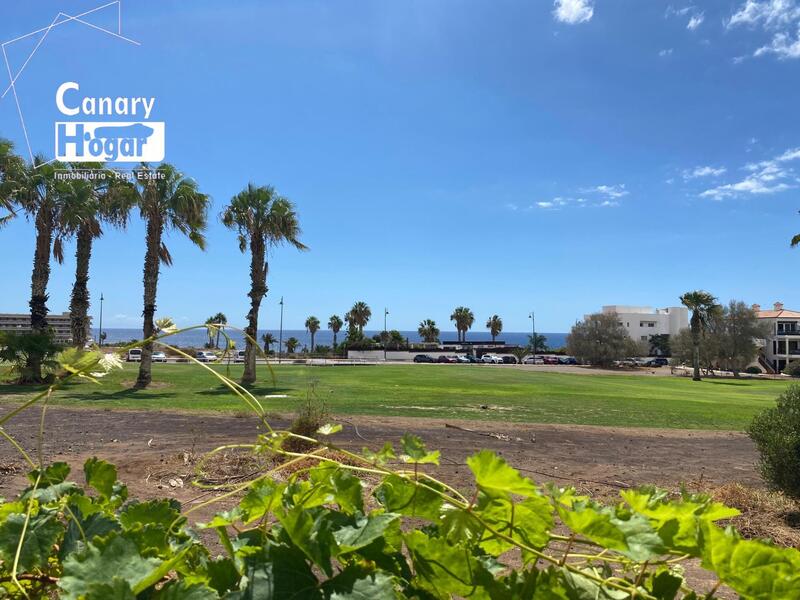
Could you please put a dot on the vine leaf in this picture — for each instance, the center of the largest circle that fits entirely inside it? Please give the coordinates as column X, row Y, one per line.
column 364, row 531
column 415, row 452
column 495, row 477
column 42, row 533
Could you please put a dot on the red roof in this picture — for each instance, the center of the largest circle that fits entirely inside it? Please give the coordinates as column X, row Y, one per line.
column 778, row 314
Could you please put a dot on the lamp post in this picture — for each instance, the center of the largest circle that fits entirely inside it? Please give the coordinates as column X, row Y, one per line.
column 532, row 317
column 385, row 333
column 100, row 333
column 280, row 335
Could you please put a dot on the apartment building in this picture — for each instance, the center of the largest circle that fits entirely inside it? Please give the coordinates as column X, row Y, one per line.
column 782, row 345
column 641, row 322
column 21, row 323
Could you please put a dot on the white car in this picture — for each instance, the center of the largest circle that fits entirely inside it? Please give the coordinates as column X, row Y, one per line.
column 492, row 358
column 134, row 355
column 159, row 357
column 533, row 360
column 239, row 356
column 205, row 356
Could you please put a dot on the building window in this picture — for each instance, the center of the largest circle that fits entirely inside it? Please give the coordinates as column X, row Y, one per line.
column 644, row 338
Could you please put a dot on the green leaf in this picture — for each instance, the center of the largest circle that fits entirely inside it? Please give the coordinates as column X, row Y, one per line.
column 329, row 429
column 754, row 569
column 116, row 589
column 52, row 474
column 357, row 583
column 310, row 531
column 180, row 590
column 414, row 451
column 96, row 524
column 630, row 533
column 664, row 584
column 277, row 571
column 101, row 476
column 527, row 522
column 347, row 489
column 111, row 556
column 263, row 497
column 76, row 360
column 364, row 531
column 495, row 477
column 154, row 512
column 580, row 587
column 443, row 568
column 42, row 532
column 382, row 456
column 400, row 495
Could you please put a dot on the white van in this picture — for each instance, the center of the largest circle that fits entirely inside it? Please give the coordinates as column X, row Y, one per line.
column 134, row 355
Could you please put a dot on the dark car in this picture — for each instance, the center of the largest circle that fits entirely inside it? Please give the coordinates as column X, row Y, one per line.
column 509, row 360
column 446, row 359
column 473, row 359
column 550, row 360
column 423, row 358
column 659, row 361
column 567, row 360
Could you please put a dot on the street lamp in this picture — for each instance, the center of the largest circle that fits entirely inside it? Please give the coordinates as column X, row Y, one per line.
column 280, row 335
column 532, row 317
column 100, row 333
column 385, row 333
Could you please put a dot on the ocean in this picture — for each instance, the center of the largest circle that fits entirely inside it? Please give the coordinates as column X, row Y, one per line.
column 197, row 337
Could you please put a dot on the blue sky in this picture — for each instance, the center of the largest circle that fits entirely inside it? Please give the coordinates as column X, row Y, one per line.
column 502, row 155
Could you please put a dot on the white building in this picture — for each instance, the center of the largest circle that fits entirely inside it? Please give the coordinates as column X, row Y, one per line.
column 641, row 322
column 782, row 345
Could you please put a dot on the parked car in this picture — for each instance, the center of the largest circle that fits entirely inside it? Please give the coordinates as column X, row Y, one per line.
column 205, row 356
column 463, row 359
column 134, row 355
column 509, row 360
column 473, row 359
column 533, row 360
column 239, row 356
column 423, row 358
column 659, row 361
column 550, row 360
column 491, row 359
column 159, row 357
column 567, row 360
column 446, row 359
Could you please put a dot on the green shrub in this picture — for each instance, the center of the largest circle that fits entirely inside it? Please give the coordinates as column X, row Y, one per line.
column 17, row 348
column 776, row 433
column 753, row 370
column 793, row 369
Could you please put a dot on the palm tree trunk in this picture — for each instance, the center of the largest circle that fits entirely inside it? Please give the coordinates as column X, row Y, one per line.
column 258, row 288
column 334, row 339
column 312, row 342
column 79, row 302
column 151, row 265
column 39, row 280
column 695, row 350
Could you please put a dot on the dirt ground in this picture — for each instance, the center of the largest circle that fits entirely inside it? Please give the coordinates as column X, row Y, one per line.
column 598, row 460
column 154, row 450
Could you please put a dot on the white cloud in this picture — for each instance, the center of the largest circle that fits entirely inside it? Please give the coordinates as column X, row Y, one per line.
column 573, row 11
column 560, row 202
column 511, row 206
column 611, row 191
column 769, row 13
column 706, row 171
column 545, row 204
column 783, row 46
column 765, row 177
column 665, row 52
column 608, row 203
column 780, row 17
column 695, row 21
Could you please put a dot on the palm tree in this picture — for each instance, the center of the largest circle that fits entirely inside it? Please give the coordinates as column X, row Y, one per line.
column 428, row 331
column 335, row 325
column 312, row 326
column 167, row 201
column 218, row 319
column 359, row 315
column 11, row 166
column 35, row 193
column 495, row 325
column 463, row 318
column 86, row 205
column 703, row 306
column 537, row 344
column 291, row 344
column 268, row 340
column 262, row 218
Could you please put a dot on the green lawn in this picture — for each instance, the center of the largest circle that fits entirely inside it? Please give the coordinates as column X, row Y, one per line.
column 448, row 391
